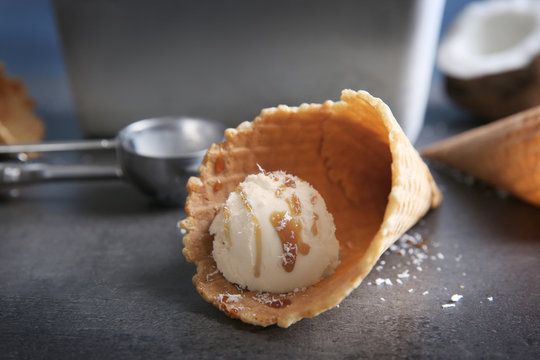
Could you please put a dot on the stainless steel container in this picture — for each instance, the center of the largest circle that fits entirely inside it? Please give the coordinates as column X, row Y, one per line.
column 226, row 60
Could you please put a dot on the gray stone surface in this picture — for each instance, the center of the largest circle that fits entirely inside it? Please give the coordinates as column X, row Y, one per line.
column 95, row 270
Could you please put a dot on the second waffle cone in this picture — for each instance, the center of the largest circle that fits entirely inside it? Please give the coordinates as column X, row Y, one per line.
column 505, row 154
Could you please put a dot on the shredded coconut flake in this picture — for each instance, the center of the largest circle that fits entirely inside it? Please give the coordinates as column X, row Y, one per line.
column 238, row 308
column 490, row 298
column 229, row 298
column 208, row 276
column 383, row 299
column 415, row 251
column 266, row 298
column 446, row 306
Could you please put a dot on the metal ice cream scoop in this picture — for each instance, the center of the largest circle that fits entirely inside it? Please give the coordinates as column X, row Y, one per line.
column 157, row 155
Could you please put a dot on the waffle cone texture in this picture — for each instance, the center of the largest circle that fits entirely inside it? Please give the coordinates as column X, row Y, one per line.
column 505, row 154
column 354, row 153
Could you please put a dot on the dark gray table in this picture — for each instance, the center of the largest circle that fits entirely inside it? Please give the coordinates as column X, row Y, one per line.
column 94, row 270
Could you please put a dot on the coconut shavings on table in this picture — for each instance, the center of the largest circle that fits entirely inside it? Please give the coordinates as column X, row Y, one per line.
column 412, row 247
column 416, row 259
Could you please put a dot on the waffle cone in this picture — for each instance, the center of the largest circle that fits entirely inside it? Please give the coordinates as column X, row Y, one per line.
column 505, row 154
column 18, row 123
column 357, row 157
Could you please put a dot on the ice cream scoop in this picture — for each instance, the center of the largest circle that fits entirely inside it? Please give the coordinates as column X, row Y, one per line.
column 274, row 234
column 157, row 155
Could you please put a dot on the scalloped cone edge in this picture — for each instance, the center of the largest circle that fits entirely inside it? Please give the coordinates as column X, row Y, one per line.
column 355, row 154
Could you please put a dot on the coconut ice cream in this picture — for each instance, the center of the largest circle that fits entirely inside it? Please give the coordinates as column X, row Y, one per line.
column 274, row 234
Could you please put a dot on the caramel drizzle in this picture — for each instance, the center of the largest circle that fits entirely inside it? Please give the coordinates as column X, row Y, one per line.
column 294, row 205
column 314, row 228
column 226, row 224
column 257, row 225
column 280, row 303
column 289, row 229
column 289, row 183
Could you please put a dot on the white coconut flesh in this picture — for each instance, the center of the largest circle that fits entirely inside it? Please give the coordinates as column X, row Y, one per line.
column 491, row 37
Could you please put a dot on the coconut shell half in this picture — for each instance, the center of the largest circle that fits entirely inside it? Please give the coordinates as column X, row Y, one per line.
column 490, row 56
column 357, row 157
column 496, row 96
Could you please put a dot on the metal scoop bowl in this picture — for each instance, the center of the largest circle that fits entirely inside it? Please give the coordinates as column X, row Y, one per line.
column 157, row 155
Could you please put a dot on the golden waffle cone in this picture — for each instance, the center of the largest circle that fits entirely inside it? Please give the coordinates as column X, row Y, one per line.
column 505, row 153
column 355, row 154
column 18, row 123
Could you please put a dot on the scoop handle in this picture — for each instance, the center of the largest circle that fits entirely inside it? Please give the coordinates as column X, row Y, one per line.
column 28, row 173
column 56, row 146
